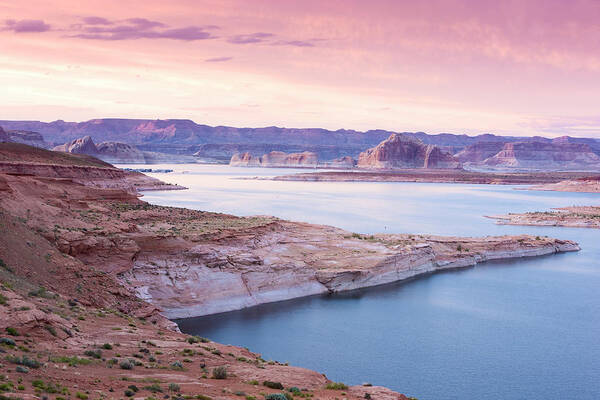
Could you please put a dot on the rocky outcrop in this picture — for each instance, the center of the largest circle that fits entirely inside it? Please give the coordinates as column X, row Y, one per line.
column 118, row 153
column 575, row 216
column 84, row 145
column 276, row 159
column 342, row 162
column 245, row 160
column 219, row 153
column 399, row 151
column 542, row 155
column 27, row 161
column 478, row 152
column 24, row 137
column 4, row 136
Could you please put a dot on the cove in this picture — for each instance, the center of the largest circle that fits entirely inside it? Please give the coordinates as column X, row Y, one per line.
column 524, row 329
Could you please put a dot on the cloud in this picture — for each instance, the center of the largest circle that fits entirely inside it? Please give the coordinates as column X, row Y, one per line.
column 295, row 43
column 96, row 21
column 97, row 28
column 218, row 59
column 257, row 37
column 26, row 26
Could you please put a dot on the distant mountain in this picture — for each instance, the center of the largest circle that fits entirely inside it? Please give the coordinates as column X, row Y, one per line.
column 220, row 143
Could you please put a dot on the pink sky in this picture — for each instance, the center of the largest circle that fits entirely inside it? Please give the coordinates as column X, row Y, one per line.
column 510, row 67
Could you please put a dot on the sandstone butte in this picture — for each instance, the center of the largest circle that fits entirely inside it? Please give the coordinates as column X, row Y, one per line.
column 89, row 272
column 400, row 151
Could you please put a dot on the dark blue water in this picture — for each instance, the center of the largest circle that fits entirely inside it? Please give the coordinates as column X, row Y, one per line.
column 526, row 329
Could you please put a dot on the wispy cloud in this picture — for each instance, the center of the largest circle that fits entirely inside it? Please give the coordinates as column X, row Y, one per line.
column 295, row 43
column 258, row 37
column 98, row 28
column 218, row 59
column 26, row 25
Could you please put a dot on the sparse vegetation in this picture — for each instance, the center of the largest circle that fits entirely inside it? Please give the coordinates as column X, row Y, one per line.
column 273, row 385
column 219, row 373
column 336, row 386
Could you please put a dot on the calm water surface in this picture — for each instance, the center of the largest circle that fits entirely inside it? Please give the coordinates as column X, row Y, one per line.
column 526, row 329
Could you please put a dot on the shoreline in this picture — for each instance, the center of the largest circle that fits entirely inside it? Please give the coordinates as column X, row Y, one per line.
column 570, row 217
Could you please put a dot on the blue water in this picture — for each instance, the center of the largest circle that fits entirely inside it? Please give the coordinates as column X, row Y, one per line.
column 525, row 329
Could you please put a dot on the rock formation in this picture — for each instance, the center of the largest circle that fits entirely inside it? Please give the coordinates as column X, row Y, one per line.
column 544, row 155
column 117, row 152
column 84, row 145
column 276, row 159
column 25, row 137
column 478, row 152
column 4, row 136
column 399, row 151
column 342, row 162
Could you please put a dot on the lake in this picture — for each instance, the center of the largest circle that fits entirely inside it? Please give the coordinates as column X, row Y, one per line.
column 525, row 329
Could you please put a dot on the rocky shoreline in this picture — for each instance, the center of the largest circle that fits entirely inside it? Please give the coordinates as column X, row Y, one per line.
column 231, row 275
column 437, row 176
column 89, row 272
column 575, row 217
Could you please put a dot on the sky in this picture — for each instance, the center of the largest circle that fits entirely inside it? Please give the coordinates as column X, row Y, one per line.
column 529, row 67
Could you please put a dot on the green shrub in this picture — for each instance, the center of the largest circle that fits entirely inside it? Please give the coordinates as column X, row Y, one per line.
column 173, row 387
column 154, row 388
column 81, row 396
column 129, row 393
column 252, row 382
column 294, row 389
column 94, row 353
column 126, row 364
column 12, row 331
column 133, row 387
column 72, row 361
column 273, row 385
column 219, row 373
column 7, row 341
column 336, row 386
column 24, row 360
column 107, row 346
column 275, row 396
column 22, row 369
column 202, row 397
column 177, row 365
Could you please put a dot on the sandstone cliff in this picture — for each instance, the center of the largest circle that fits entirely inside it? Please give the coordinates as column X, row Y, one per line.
column 542, row 155
column 478, row 152
column 24, row 137
column 276, row 159
column 399, row 151
column 117, row 152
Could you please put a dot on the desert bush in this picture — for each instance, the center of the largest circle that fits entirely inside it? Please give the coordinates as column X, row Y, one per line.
column 107, row 346
column 126, row 364
column 273, row 385
column 94, row 353
column 173, row 387
column 219, row 373
column 336, row 386
column 12, row 331
column 154, row 388
column 275, row 396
